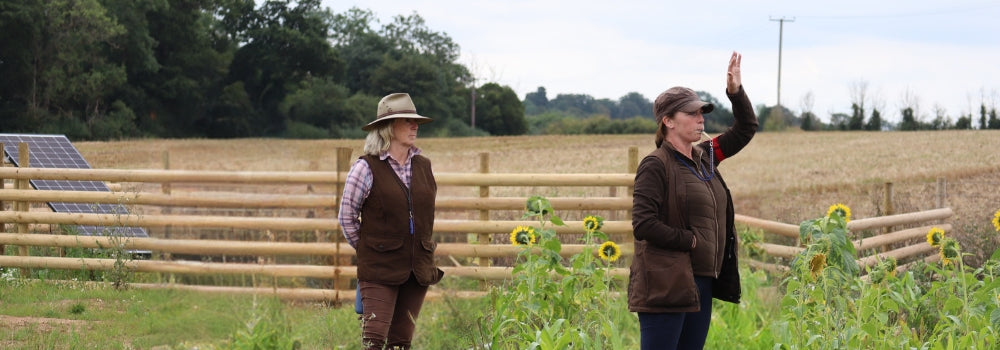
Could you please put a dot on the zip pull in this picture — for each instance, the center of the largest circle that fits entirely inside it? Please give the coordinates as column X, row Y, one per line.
column 411, row 222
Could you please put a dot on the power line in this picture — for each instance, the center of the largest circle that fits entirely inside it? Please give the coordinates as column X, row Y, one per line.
column 925, row 13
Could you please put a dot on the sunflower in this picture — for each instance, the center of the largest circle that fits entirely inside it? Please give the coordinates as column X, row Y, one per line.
column 949, row 251
column 609, row 251
column 890, row 265
column 523, row 235
column 934, row 236
column 996, row 220
column 841, row 209
column 593, row 223
column 817, row 264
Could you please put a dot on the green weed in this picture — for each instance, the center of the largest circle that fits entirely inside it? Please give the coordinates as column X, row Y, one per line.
column 555, row 304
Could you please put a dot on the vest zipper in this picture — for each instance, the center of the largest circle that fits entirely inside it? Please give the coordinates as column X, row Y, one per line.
column 720, row 244
column 409, row 208
column 413, row 239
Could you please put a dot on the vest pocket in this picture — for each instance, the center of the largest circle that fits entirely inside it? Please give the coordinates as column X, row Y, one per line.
column 429, row 246
column 662, row 278
column 427, row 274
column 383, row 245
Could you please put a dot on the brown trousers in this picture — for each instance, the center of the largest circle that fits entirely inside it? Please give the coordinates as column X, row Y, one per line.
column 390, row 313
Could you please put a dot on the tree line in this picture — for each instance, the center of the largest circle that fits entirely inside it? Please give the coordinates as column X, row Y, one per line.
column 107, row 69
column 584, row 114
column 111, row 69
column 632, row 113
column 868, row 114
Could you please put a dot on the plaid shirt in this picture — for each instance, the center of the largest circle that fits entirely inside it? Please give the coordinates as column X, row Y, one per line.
column 358, row 185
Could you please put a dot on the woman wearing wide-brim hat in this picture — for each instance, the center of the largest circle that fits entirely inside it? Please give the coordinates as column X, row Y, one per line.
column 387, row 215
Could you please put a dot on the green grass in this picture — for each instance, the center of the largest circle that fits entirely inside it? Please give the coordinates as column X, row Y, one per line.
column 56, row 315
column 925, row 308
column 78, row 315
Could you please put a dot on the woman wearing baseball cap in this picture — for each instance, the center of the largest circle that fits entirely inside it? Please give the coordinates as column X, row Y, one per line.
column 683, row 219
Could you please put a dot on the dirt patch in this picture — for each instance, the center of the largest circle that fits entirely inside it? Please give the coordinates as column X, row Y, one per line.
column 42, row 324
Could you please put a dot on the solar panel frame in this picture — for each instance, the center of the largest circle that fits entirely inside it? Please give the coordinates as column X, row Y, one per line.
column 56, row 151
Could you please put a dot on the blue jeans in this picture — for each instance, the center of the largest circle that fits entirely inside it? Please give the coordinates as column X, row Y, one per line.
column 679, row 330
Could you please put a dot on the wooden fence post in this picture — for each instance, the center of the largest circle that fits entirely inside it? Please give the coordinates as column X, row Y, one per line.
column 613, row 191
column 343, row 165
column 484, row 215
column 3, row 226
column 24, row 161
column 942, row 192
column 166, row 188
column 631, row 167
column 887, row 200
column 887, row 204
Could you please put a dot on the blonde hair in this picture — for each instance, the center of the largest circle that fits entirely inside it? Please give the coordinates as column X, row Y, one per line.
column 378, row 139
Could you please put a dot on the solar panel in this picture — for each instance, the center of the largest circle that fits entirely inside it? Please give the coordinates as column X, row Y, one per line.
column 55, row 151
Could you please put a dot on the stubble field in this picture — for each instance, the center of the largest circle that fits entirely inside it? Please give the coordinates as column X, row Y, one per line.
column 787, row 177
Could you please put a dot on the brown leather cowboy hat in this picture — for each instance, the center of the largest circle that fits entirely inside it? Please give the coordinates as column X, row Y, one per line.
column 397, row 105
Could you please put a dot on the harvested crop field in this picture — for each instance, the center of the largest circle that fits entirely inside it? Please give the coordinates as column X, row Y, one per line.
column 787, row 177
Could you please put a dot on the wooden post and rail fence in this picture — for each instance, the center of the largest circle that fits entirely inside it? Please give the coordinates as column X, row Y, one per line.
column 338, row 253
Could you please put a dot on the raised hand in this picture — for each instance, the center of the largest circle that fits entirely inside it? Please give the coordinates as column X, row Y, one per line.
column 733, row 77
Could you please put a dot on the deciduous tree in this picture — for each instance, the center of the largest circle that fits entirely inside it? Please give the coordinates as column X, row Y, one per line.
column 499, row 111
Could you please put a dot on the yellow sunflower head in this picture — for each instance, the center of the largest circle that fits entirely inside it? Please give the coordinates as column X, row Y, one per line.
column 935, row 236
column 523, row 235
column 609, row 251
column 817, row 264
column 996, row 221
column 949, row 251
column 593, row 223
column 841, row 209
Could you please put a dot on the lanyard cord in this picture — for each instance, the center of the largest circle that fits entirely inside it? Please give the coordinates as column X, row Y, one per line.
column 701, row 176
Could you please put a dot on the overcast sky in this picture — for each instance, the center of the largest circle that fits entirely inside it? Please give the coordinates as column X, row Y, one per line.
column 942, row 54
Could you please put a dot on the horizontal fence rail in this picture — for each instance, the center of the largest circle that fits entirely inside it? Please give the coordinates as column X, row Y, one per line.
column 288, row 224
column 913, row 251
column 789, row 230
column 305, row 177
column 246, row 200
column 250, row 200
column 237, row 248
column 486, row 273
column 161, row 176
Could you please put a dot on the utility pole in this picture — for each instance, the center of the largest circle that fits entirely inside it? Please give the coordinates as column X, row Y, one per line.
column 781, row 30
column 472, row 107
column 472, row 111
